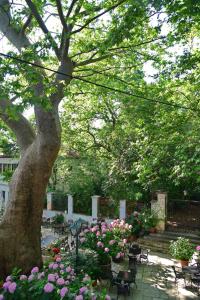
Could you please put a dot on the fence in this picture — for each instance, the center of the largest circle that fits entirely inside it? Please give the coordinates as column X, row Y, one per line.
column 96, row 209
column 183, row 214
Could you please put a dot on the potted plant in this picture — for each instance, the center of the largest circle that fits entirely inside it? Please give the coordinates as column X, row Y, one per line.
column 182, row 250
column 58, row 219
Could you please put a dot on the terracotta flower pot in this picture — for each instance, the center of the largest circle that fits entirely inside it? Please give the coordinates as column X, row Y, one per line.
column 152, row 230
column 132, row 238
column 184, row 263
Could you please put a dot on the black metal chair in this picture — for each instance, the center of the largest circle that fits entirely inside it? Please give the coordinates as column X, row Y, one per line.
column 195, row 279
column 178, row 274
column 112, row 276
column 123, row 289
column 144, row 256
column 133, row 272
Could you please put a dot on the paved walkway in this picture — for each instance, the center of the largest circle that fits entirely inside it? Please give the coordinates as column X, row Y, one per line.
column 155, row 281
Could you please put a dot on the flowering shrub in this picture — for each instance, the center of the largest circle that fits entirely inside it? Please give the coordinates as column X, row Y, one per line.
column 56, row 282
column 198, row 251
column 181, row 249
column 141, row 222
column 106, row 240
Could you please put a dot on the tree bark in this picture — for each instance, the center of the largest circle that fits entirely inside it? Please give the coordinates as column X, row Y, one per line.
column 20, row 242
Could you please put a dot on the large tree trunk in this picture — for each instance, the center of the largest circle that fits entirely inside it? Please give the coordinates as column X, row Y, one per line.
column 20, row 237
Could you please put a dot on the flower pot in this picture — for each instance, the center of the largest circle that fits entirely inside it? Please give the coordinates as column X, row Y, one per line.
column 152, row 230
column 184, row 263
column 132, row 238
column 105, row 271
column 118, row 260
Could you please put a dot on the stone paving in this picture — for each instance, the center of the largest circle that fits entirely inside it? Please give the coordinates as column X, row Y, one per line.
column 155, row 279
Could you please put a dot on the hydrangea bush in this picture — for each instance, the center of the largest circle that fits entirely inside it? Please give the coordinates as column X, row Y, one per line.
column 58, row 281
column 108, row 240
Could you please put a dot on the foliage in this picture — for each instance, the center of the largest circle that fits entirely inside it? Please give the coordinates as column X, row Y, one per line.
column 58, row 219
column 57, row 281
column 181, row 249
column 87, row 262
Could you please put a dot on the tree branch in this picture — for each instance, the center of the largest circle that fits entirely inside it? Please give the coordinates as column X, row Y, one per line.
column 27, row 23
column 42, row 25
column 61, row 15
column 17, row 38
column 97, row 144
column 91, row 61
column 97, row 16
column 71, row 7
column 20, row 125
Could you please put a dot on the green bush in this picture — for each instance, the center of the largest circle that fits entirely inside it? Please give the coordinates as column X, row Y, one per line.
column 58, row 219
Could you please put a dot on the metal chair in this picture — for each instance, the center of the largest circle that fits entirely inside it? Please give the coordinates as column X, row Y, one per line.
column 123, row 289
column 112, row 276
column 196, row 280
column 144, row 256
column 178, row 274
column 133, row 272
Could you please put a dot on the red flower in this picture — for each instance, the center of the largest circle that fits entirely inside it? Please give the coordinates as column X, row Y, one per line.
column 56, row 250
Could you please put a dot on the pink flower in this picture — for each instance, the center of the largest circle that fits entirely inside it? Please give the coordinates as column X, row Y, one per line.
column 63, row 292
column 51, row 278
column 12, row 287
column 58, row 259
column 51, row 265
column 103, row 230
column 9, row 278
column 6, row 284
column 30, row 277
column 83, row 290
column 106, row 250
column 60, row 281
column 35, row 270
column 79, row 297
column 118, row 255
column 55, row 266
column 100, row 244
column 198, row 248
column 68, row 269
column 98, row 233
column 86, row 278
column 23, row 277
column 82, row 240
column 112, row 242
column 48, row 288
column 62, row 266
column 1, row 297
column 124, row 241
column 93, row 229
column 107, row 297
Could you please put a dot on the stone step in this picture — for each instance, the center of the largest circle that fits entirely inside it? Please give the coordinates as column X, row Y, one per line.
column 160, row 241
column 195, row 235
column 167, row 237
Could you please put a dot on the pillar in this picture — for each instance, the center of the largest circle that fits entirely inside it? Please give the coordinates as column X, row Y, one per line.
column 122, row 209
column 70, row 207
column 95, row 200
column 49, row 201
column 159, row 208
